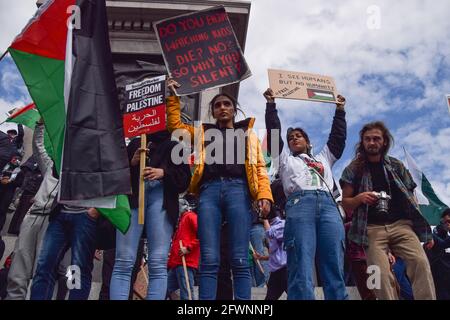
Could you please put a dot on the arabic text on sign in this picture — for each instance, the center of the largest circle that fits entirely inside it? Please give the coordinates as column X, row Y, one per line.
column 154, row 122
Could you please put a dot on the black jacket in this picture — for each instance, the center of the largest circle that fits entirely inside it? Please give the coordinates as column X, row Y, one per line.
column 32, row 176
column 439, row 259
column 6, row 150
column 176, row 177
column 17, row 141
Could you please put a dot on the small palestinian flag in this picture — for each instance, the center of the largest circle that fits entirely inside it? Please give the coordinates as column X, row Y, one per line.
column 28, row 116
column 69, row 74
column 321, row 95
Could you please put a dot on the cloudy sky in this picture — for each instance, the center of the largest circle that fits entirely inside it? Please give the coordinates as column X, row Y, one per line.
column 391, row 60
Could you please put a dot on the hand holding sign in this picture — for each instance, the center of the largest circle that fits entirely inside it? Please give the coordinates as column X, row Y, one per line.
column 268, row 94
column 340, row 102
column 153, row 173
column 264, row 207
column 173, row 85
column 137, row 156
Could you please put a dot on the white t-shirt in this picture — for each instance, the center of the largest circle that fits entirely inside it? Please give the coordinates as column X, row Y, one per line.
column 297, row 176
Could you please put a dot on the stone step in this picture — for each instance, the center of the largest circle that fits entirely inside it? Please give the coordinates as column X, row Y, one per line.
column 257, row 293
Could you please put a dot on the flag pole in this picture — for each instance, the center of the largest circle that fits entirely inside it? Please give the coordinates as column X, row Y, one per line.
column 258, row 263
column 3, row 55
column 186, row 276
column 141, row 178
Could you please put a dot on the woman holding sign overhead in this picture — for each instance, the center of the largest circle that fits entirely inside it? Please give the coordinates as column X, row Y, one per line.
column 313, row 222
column 164, row 180
column 230, row 173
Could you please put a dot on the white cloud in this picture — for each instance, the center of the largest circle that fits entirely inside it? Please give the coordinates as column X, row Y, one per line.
column 11, row 82
column 14, row 15
column 12, row 88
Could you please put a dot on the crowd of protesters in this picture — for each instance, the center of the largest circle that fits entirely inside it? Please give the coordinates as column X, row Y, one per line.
column 237, row 227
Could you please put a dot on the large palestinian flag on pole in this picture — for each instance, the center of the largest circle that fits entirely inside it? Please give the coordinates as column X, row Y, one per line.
column 430, row 204
column 69, row 73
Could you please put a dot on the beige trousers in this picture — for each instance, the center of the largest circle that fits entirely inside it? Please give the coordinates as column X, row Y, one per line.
column 401, row 240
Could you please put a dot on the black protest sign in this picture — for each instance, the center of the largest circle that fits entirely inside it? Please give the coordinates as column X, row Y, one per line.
column 201, row 50
column 145, row 107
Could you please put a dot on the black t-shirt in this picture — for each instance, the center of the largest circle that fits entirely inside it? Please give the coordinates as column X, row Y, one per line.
column 226, row 168
column 397, row 203
column 154, row 159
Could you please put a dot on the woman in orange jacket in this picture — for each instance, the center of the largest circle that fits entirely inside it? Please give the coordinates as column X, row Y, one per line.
column 230, row 173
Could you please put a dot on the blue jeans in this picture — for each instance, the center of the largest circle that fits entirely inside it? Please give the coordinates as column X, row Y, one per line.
column 406, row 291
column 159, row 232
column 224, row 199
column 172, row 282
column 176, row 280
column 314, row 226
column 66, row 230
column 257, row 237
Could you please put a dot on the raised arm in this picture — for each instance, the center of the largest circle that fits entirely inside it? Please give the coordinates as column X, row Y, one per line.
column 19, row 138
column 273, row 125
column 42, row 158
column 174, row 112
column 338, row 135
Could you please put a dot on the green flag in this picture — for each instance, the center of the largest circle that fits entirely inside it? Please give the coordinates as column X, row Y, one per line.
column 430, row 204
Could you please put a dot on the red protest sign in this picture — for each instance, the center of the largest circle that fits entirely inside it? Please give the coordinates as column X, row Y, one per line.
column 145, row 107
column 201, row 51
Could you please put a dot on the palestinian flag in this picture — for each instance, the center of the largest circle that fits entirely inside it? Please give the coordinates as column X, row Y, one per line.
column 430, row 204
column 28, row 116
column 321, row 95
column 69, row 74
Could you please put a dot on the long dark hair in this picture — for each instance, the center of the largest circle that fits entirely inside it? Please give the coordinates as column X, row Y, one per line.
column 360, row 159
column 236, row 105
